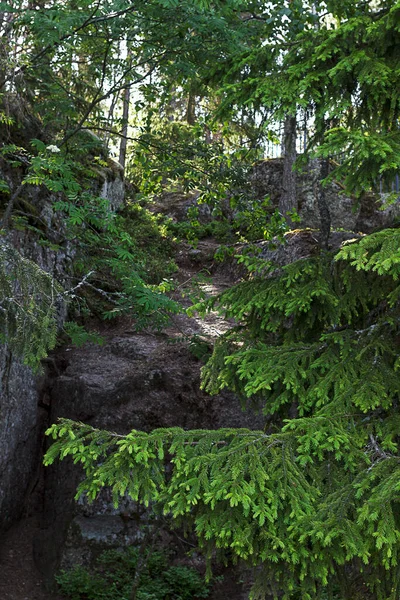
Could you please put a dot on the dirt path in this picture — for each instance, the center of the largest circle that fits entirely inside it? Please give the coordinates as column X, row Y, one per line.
column 19, row 578
column 199, row 276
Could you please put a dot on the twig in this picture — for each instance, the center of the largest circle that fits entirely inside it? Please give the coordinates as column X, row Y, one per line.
column 7, row 213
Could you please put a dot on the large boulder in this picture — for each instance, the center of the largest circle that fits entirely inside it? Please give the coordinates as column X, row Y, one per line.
column 22, row 418
column 360, row 215
column 111, row 184
column 178, row 205
column 21, row 422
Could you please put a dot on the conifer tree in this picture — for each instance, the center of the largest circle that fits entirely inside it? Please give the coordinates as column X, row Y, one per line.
column 312, row 501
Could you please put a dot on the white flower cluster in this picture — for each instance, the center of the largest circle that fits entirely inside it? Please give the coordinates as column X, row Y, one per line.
column 53, row 148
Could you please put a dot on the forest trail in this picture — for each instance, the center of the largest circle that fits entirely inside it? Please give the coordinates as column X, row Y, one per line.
column 198, row 274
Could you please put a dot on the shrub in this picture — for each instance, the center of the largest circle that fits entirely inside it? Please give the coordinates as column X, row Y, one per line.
column 112, row 576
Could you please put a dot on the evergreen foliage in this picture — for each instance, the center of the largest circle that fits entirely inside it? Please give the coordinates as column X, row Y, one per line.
column 313, row 501
column 336, row 62
column 29, row 300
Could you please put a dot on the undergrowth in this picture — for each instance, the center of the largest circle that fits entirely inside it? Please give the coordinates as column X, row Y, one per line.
column 113, row 573
column 131, row 262
column 246, row 220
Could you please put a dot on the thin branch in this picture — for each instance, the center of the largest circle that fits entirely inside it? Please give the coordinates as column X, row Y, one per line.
column 4, row 223
column 79, row 285
column 57, row 43
column 99, row 98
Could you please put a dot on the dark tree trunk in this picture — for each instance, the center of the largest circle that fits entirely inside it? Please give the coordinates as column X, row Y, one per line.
column 126, row 99
column 324, row 214
column 288, row 200
column 124, row 131
column 191, row 109
column 172, row 107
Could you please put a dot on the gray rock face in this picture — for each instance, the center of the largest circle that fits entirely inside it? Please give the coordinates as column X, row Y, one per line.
column 343, row 210
column 139, row 381
column 20, row 424
column 364, row 215
column 87, row 537
column 112, row 184
column 135, row 381
column 21, row 418
column 176, row 206
column 302, row 243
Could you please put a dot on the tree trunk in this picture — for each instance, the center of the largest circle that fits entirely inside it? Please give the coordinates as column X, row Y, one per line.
column 191, row 109
column 124, row 131
column 324, row 214
column 110, row 118
column 288, row 200
column 172, row 106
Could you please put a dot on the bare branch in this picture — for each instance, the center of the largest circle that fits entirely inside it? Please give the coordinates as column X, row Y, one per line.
column 120, row 85
column 4, row 223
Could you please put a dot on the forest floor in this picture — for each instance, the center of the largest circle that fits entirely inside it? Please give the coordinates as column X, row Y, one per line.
column 198, row 273
column 19, row 577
